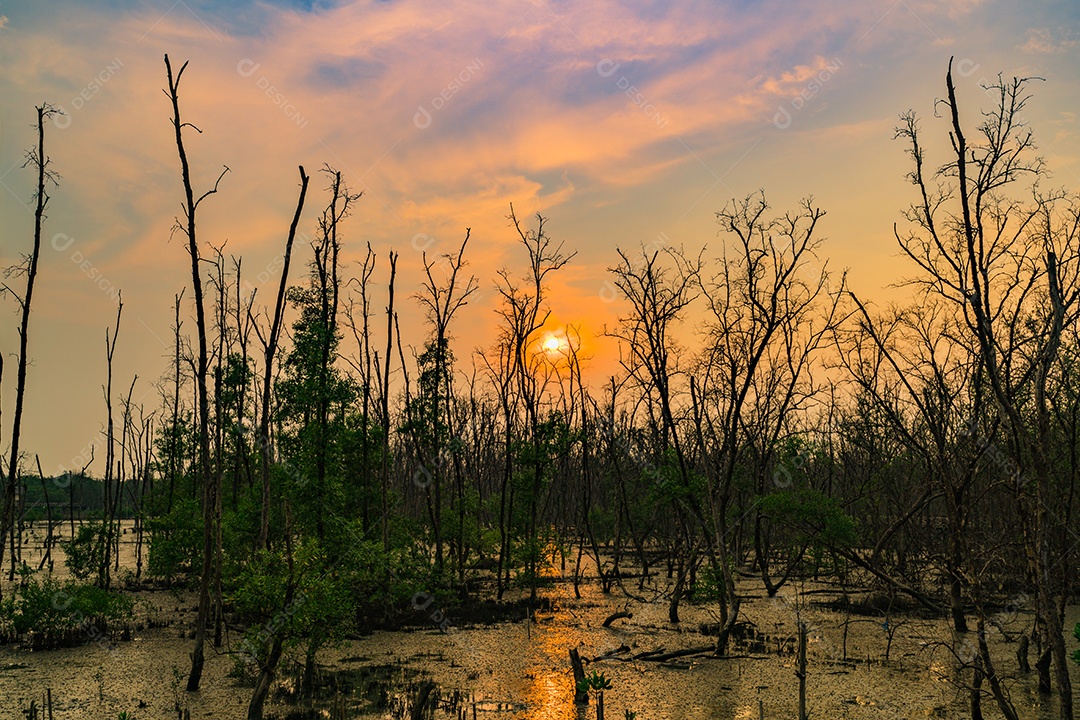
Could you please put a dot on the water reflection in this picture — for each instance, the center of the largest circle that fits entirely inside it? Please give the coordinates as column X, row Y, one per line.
column 550, row 692
column 519, row 670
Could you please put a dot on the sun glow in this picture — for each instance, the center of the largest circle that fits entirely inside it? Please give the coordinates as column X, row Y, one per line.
column 553, row 344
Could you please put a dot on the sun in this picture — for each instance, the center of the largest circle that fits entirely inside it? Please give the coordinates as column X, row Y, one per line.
column 552, row 344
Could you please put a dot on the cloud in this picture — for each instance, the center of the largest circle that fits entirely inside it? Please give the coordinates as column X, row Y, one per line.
column 1044, row 41
column 795, row 81
column 619, row 119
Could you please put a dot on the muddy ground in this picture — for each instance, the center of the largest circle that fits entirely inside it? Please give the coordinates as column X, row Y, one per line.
column 519, row 668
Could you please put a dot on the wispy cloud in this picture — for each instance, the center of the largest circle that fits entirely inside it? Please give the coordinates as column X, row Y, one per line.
column 618, row 118
column 1042, row 41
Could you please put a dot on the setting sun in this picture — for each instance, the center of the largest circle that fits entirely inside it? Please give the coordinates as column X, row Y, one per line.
column 553, row 344
column 441, row 320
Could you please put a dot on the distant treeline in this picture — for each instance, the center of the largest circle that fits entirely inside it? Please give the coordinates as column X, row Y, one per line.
column 61, row 494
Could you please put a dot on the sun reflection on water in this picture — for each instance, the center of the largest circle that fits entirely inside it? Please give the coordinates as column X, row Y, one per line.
column 549, row 692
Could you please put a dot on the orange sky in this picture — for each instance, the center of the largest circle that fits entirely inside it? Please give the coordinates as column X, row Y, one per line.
column 622, row 122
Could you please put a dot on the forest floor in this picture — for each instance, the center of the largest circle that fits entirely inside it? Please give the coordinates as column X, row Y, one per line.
column 520, row 669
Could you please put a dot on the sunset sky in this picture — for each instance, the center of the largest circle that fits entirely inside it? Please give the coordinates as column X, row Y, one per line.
column 622, row 122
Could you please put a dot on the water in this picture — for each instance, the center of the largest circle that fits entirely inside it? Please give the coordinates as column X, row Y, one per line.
column 520, row 669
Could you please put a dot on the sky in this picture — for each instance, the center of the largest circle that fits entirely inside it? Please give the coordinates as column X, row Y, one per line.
column 625, row 123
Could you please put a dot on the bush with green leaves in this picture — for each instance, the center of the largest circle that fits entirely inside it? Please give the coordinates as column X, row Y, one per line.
column 596, row 684
column 176, row 541
column 811, row 517
column 49, row 613
column 1076, row 653
column 320, row 611
column 84, row 554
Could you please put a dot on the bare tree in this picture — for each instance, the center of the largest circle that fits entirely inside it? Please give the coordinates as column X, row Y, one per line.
column 364, row 364
column 659, row 294
column 37, row 159
column 441, row 300
column 772, row 310
column 105, row 537
column 524, row 312
column 205, row 471
column 1011, row 267
column 385, row 390
column 270, row 346
column 925, row 379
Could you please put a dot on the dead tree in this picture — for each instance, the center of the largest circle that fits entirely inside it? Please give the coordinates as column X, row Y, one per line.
column 385, row 402
column 524, row 311
column 659, row 287
column 772, row 309
column 270, row 345
column 105, row 537
column 441, row 300
column 37, row 159
column 925, row 383
column 364, row 365
column 205, row 470
column 46, row 557
column 1012, row 267
column 244, row 324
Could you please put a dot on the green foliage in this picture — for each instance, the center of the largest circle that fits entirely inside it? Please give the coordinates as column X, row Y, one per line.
column 813, row 516
column 665, row 479
column 602, row 521
column 52, row 609
column 176, row 541
column 85, row 554
column 1076, row 634
column 710, row 582
column 319, row 612
column 596, row 682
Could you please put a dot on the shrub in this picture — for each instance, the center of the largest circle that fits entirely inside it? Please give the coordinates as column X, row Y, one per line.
column 176, row 541
column 85, row 553
column 48, row 613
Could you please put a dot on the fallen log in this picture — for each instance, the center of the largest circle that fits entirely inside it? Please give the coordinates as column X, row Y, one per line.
column 617, row 616
column 700, row 650
column 612, row 654
column 648, row 654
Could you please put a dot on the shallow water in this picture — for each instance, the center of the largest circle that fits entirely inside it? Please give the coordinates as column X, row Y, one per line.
column 519, row 670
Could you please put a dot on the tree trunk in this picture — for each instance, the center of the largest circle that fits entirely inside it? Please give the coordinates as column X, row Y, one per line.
column 204, row 473
column 41, row 162
column 801, row 671
column 269, row 353
column 581, row 696
column 266, row 679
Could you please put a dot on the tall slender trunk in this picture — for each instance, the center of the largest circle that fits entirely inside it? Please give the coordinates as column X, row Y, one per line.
column 105, row 538
column 385, row 471
column 39, row 159
column 205, row 472
column 269, row 352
